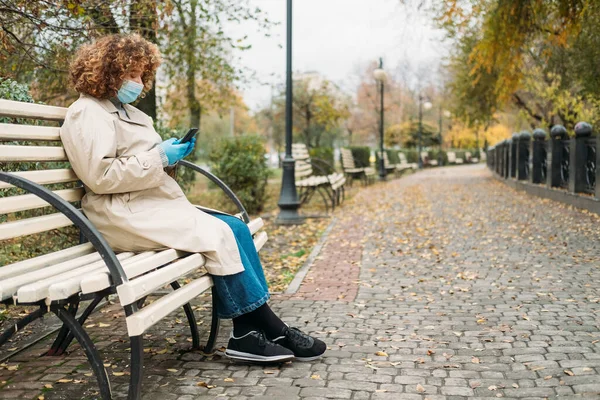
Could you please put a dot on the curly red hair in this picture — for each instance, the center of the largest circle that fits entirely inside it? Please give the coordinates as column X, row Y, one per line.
column 99, row 68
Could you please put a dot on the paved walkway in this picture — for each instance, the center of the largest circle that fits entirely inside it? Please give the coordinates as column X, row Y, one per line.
column 445, row 284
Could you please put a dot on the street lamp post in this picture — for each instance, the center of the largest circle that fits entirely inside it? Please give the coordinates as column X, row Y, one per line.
column 381, row 77
column 427, row 105
column 288, row 197
column 446, row 114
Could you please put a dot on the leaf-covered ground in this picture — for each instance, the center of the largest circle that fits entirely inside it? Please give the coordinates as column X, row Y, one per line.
column 444, row 285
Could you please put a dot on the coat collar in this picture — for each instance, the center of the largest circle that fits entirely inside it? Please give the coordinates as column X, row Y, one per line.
column 134, row 116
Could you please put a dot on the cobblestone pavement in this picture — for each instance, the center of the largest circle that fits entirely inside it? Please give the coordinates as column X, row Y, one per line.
column 462, row 288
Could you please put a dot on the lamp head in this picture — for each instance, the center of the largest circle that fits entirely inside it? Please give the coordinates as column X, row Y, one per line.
column 427, row 105
column 380, row 75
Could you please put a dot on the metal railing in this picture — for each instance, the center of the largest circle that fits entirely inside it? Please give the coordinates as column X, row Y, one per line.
column 554, row 160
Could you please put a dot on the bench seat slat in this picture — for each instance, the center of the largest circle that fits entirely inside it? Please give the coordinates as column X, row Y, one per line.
column 255, row 225
column 139, row 322
column 136, row 289
column 9, row 287
column 23, row 227
column 38, row 290
column 45, row 177
column 260, row 240
column 31, row 201
column 29, row 132
column 369, row 171
column 67, row 287
column 32, row 264
column 101, row 280
column 19, row 109
column 354, row 170
column 9, row 153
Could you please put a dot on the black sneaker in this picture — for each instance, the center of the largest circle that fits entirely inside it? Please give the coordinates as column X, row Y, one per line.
column 254, row 346
column 305, row 348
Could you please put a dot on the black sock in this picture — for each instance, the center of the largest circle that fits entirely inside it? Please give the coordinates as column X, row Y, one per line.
column 263, row 318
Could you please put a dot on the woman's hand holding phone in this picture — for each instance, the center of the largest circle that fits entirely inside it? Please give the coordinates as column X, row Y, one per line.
column 176, row 151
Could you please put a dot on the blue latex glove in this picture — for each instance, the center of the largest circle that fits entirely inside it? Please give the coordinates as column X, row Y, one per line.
column 191, row 143
column 175, row 151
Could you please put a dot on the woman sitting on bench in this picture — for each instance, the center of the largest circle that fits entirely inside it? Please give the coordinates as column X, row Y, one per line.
column 137, row 206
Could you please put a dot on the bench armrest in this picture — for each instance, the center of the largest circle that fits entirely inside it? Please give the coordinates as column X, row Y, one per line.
column 221, row 184
column 319, row 168
column 323, row 162
column 86, row 227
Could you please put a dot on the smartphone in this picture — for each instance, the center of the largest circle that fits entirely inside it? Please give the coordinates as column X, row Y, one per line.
column 188, row 136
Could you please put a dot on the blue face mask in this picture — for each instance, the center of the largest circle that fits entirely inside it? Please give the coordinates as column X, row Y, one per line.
column 129, row 91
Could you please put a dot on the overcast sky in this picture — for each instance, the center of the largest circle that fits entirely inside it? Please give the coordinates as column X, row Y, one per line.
column 337, row 38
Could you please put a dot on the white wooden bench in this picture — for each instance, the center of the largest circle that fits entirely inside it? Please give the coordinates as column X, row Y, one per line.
column 428, row 161
column 404, row 164
column 389, row 168
column 470, row 159
column 60, row 281
column 312, row 177
column 452, row 159
column 367, row 174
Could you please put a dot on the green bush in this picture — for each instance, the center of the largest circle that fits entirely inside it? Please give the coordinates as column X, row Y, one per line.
column 393, row 156
column 436, row 155
column 361, row 156
column 240, row 163
column 325, row 154
column 411, row 155
column 11, row 90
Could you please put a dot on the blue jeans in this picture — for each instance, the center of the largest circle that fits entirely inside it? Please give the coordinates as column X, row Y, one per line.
column 245, row 291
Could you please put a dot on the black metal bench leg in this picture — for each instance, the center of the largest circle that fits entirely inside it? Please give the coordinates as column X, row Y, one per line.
column 20, row 324
column 137, row 365
column 63, row 332
column 214, row 326
column 189, row 313
column 325, row 201
column 331, row 194
column 88, row 346
column 82, row 318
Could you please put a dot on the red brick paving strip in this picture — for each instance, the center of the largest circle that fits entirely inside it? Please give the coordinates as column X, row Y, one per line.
column 335, row 272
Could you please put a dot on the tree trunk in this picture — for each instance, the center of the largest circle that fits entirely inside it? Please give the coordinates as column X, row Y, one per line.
column 307, row 128
column 143, row 19
column 193, row 103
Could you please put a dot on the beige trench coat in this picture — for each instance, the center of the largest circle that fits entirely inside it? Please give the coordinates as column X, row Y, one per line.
column 129, row 197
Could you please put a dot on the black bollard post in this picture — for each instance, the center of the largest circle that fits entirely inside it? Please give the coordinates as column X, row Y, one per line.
column 537, row 157
column 507, row 147
column 523, row 156
column 557, row 134
column 578, row 154
column 513, row 155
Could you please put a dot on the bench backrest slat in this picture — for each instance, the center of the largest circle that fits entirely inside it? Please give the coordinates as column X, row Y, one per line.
column 29, row 226
column 303, row 167
column 44, row 177
column 9, row 153
column 30, row 201
column 386, row 160
column 19, row 109
column 29, row 132
column 347, row 159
